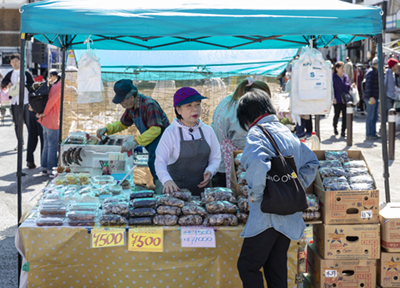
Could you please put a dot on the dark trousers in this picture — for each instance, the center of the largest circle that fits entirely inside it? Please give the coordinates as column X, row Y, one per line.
column 25, row 116
column 267, row 250
column 340, row 107
column 219, row 180
column 35, row 131
column 307, row 124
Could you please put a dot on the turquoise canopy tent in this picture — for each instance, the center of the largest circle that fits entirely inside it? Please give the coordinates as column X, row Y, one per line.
column 202, row 64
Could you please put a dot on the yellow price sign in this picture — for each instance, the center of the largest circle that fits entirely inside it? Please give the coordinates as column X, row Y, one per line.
column 146, row 239
column 107, row 237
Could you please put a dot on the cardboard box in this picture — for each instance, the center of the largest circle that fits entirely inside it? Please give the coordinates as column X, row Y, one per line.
column 347, row 207
column 390, row 225
column 347, row 241
column 389, row 270
column 234, row 185
column 340, row 273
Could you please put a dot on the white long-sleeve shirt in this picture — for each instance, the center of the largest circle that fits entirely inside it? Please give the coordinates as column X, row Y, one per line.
column 168, row 148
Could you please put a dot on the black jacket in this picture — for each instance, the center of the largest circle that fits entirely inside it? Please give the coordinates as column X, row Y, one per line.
column 371, row 84
column 29, row 79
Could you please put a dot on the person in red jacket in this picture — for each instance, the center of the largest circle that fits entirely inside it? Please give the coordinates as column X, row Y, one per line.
column 51, row 123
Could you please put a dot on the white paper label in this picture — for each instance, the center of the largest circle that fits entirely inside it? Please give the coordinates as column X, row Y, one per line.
column 366, row 214
column 196, row 236
column 349, row 110
column 330, row 273
column 392, row 118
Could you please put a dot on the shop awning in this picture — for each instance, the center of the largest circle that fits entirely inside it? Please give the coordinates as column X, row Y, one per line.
column 200, row 25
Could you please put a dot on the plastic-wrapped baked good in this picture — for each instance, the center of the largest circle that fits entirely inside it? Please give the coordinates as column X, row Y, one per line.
column 126, row 185
column 329, row 180
column 81, row 215
column 170, row 201
column 165, row 220
column 312, row 202
column 144, row 202
column 84, row 178
column 356, row 171
column 330, row 163
column 240, row 169
column 116, row 208
column 243, row 204
column 141, row 221
column 169, row 210
column 242, row 178
column 355, row 164
column 184, row 194
column 81, row 223
column 242, row 217
column 103, row 179
column 362, row 186
column 60, row 180
column 218, row 194
column 342, row 156
column 115, row 199
column 308, row 216
column 193, row 209
column 142, row 194
column 331, row 172
column 190, row 220
column 141, row 212
column 112, row 219
column 221, row 220
column 116, row 190
column 245, row 190
column 336, row 184
column 361, row 179
column 53, row 208
column 72, row 178
column 217, row 207
column 50, row 221
column 238, row 158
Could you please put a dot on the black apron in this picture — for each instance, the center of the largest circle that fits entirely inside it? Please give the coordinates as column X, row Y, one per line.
column 187, row 172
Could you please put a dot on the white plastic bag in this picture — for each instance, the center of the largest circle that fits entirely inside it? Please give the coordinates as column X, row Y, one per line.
column 354, row 94
column 89, row 79
column 311, row 89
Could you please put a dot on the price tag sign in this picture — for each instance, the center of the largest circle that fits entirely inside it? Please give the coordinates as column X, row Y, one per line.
column 146, row 239
column 107, row 237
column 197, row 237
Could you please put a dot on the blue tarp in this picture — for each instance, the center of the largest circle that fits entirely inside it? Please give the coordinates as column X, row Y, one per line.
column 200, row 25
column 207, row 63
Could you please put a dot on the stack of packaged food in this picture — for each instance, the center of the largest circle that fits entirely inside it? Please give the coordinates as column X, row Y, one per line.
column 142, row 211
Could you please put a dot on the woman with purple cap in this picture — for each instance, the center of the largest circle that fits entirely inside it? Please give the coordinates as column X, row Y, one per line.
column 188, row 154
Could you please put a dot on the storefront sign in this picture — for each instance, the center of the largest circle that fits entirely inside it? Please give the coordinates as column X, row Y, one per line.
column 107, row 237
column 197, row 237
column 146, row 239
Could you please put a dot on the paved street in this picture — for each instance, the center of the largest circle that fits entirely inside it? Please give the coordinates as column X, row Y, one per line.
column 33, row 182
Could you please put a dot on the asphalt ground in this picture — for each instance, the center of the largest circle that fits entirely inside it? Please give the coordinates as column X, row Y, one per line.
column 33, row 183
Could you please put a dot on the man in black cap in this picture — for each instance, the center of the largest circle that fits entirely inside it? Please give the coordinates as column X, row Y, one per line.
column 145, row 113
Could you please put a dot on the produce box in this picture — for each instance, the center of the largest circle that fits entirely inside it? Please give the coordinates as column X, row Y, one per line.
column 325, row 273
column 389, row 270
column 348, row 241
column 390, row 225
column 347, row 207
column 234, row 185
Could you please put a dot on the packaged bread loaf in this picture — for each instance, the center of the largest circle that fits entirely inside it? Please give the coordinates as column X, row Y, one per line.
column 143, row 202
column 243, row 204
column 341, row 156
column 141, row 221
column 50, row 221
column 170, row 201
column 242, row 217
column 221, row 220
column 116, row 208
column 357, row 171
column 184, row 194
column 165, row 220
column 331, row 172
column 142, row 194
column 141, row 212
column 112, row 219
column 329, row 163
column 193, row 209
column 190, row 220
column 218, row 194
column 168, row 210
column 217, row 207
column 355, row 164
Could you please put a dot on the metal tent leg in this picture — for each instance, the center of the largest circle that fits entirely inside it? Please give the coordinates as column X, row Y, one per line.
column 64, row 49
column 382, row 98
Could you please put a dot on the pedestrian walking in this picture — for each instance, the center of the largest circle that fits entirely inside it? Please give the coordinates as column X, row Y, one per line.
column 371, row 97
column 348, row 69
column 393, row 65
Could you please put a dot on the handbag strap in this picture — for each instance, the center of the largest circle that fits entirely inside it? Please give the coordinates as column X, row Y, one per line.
column 270, row 138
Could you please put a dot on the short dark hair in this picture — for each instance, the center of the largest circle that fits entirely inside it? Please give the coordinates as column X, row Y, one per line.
column 15, row 55
column 178, row 116
column 252, row 105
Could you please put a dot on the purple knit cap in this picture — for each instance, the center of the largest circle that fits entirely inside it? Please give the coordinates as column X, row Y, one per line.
column 186, row 95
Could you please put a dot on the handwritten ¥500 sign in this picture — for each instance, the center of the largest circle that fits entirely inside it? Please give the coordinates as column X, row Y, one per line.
column 146, row 239
column 101, row 238
column 197, row 237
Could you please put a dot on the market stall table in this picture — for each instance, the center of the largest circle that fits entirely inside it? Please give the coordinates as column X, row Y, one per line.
column 63, row 257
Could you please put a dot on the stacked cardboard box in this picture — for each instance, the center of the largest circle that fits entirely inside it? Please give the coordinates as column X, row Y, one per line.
column 347, row 245
column 389, row 268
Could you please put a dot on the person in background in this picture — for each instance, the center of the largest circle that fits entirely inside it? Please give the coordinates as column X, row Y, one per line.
column 267, row 236
column 148, row 117
column 341, row 83
column 11, row 79
column 393, row 65
column 348, row 69
column 371, row 98
column 188, row 154
column 358, row 79
column 35, row 134
column 227, row 128
column 50, row 121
